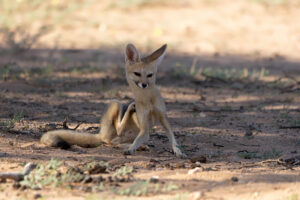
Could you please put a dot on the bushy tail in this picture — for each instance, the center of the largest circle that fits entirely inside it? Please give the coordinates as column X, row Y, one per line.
column 66, row 138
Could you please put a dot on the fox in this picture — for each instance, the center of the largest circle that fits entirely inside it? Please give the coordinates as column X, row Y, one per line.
column 127, row 125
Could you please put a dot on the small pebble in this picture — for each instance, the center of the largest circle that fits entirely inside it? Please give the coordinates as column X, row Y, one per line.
column 154, row 179
column 37, row 196
column 234, row 179
column 201, row 159
column 197, row 195
column 150, row 166
column 193, row 171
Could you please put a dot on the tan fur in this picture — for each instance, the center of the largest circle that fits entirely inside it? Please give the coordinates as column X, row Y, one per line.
column 148, row 109
column 113, row 129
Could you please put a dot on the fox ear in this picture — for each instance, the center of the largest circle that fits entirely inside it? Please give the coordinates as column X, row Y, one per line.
column 157, row 55
column 131, row 53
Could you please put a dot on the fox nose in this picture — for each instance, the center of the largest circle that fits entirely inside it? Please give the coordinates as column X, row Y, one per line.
column 144, row 85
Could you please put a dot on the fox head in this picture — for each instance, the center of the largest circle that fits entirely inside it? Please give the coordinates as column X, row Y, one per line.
column 141, row 72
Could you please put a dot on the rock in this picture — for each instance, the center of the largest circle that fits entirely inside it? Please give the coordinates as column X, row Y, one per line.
column 197, row 195
column 150, row 166
column 201, row 159
column 234, row 179
column 193, row 171
column 167, row 165
column 154, row 179
column 37, row 196
column 87, row 179
column 248, row 133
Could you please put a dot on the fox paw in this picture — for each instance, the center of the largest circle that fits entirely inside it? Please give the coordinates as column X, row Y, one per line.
column 179, row 154
column 143, row 148
column 131, row 107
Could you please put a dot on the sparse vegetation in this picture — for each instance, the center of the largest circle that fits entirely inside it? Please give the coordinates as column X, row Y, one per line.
column 272, row 154
column 85, row 70
column 223, row 74
column 248, row 155
column 265, row 155
column 43, row 176
column 123, row 172
column 17, row 40
column 14, row 72
column 11, row 123
column 143, row 188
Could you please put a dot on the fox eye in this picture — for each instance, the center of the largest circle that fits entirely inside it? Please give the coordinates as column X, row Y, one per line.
column 149, row 75
column 137, row 73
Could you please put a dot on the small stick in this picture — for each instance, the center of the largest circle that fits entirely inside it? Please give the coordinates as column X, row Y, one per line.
column 65, row 126
column 18, row 176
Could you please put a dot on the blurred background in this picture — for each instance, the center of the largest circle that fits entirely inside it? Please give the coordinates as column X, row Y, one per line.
column 59, row 47
column 243, row 27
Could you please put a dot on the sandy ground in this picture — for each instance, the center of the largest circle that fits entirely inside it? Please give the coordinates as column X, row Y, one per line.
column 230, row 81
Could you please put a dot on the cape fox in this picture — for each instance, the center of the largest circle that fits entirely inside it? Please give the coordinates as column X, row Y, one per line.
column 132, row 122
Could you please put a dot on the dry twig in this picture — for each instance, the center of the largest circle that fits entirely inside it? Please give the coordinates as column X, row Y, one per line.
column 18, row 176
column 65, row 126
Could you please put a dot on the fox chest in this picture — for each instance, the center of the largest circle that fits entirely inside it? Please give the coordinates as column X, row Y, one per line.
column 152, row 117
column 149, row 116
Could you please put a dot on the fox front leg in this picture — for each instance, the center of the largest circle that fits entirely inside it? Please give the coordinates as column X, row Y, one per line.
column 164, row 122
column 142, row 137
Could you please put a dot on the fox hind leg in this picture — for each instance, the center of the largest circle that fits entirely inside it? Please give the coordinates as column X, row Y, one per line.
column 115, row 120
column 110, row 121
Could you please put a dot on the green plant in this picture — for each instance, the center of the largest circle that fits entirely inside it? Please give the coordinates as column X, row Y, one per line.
column 11, row 123
column 123, row 171
column 49, row 174
column 271, row 154
column 247, row 155
column 142, row 188
column 4, row 72
column 92, row 164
